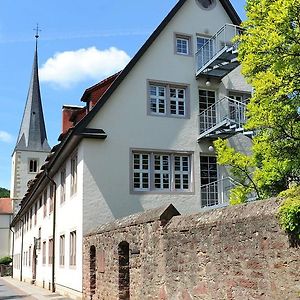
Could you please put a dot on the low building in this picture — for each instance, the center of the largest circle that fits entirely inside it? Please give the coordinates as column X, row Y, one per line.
column 5, row 220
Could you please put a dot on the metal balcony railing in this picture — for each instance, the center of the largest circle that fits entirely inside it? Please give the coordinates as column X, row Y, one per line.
column 216, row 45
column 227, row 113
column 217, row 192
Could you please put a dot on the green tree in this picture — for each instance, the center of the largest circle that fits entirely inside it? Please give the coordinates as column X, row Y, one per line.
column 4, row 193
column 269, row 53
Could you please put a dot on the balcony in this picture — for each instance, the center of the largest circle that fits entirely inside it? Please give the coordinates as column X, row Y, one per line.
column 218, row 56
column 217, row 193
column 223, row 119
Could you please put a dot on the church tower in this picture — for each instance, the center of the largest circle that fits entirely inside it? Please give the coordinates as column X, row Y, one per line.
column 32, row 146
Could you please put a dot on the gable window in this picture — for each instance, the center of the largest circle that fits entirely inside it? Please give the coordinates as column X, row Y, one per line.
column 183, row 44
column 73, row 248
column 161, row 172
column 170, row 100
column 73, row 175
column 33, row 166
column 207, row 46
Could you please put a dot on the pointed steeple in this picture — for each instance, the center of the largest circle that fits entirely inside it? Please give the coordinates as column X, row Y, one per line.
column 32, row 134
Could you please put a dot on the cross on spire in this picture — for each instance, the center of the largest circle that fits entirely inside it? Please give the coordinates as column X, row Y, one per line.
column 37, row 30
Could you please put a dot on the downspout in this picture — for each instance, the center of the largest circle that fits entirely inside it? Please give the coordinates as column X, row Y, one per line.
column 12, row 251
column 53, row 230
column 22, row 239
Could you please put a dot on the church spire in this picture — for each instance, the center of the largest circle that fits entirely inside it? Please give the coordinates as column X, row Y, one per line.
column 32, row 134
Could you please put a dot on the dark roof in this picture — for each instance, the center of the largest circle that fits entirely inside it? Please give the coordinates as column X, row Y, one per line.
column 5, row 206
column 32, row 134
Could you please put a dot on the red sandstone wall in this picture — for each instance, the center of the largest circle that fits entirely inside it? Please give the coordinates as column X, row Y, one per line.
column 231, row 253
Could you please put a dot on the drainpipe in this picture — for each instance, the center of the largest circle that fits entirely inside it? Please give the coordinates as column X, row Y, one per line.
column 53, row 230
column 22, row 239
column 12, row 251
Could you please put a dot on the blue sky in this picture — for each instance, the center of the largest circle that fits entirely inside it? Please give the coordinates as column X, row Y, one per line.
column 75, row 34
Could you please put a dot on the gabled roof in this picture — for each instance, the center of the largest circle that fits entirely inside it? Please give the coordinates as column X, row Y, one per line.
column 85, row 121
column 32, row 134
column 5, row 206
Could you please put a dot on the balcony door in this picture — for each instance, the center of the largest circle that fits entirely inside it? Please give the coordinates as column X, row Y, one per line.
column 207, row 109
column 209, row 181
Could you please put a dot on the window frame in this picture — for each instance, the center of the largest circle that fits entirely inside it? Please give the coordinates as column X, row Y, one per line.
column 62, row 250
column 63, row 177
column 35, row 167
column 151, row 188
column 189, row 39
column 72, row 248
column 74, row 174
column 168, row 86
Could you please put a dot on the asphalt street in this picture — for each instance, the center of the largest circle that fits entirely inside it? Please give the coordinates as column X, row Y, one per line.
column 9, row 292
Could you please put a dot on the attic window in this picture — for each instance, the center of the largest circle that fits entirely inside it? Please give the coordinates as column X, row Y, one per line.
column 206, row 4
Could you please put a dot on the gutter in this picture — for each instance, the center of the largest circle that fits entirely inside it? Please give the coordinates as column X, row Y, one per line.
column 53, row 230
column 22, row 240
column 12, row 251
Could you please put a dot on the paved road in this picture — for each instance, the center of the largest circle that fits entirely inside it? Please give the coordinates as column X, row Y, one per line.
column 9, row 292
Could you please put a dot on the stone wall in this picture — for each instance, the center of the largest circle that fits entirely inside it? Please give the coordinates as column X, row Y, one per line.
column 229, row 253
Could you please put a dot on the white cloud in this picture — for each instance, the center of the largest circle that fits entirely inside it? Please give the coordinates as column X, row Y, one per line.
column 5, row 137
column 65, row 69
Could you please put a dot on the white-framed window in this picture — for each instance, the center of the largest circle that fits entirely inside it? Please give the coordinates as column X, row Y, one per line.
column 33, row 166
column 183, row 44
column 44, row 252
column 158, row 99
column 45, row 198
column 73, row 248
column 50, row 251
column 63, row 185
column 73, row 174
column 207, row 46
column 156, row 171
column 51, row 198
column 62, row 250
column 169, row 100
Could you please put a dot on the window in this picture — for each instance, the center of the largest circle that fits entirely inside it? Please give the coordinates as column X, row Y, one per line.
column 206, row 4
column 74, row 175
column 207, row 48
column 52, row 191
column 50, row 252
column 162, row 172
column 29, row 256
column 44, row 252
column 168, row 100
column 62, row 250
column 35, row 212
column 30, row 218
column 209, row 178
column 33, row 166
column 73, row 248
column 63, row 185
column 45, row 202
column 183, row 44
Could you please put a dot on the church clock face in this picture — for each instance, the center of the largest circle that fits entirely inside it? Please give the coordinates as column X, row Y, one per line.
column 206, row 4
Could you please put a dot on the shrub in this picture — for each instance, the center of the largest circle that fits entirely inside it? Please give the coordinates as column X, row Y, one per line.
column 5, row 260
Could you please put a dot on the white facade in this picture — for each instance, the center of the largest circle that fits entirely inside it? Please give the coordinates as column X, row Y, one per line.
column 5, row 234
column 105, row 175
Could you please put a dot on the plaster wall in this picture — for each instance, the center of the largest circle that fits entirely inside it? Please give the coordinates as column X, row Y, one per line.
column 124, row 118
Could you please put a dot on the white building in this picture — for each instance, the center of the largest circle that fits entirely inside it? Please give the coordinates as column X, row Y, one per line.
column 142, row 140
column 5, row 233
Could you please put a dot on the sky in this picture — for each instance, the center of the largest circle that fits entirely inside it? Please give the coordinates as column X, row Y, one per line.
column 81, row 42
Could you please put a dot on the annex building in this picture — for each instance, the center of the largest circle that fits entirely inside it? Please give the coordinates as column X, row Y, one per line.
column 142, row 139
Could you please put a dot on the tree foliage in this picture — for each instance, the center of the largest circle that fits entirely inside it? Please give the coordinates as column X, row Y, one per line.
column 4, row 193
column 269, row 53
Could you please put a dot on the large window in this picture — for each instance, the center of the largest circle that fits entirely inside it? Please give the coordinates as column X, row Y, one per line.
column 168, row 100
column 207, row 46
column 62, row 250
column 73, row 248
column 74, row 174
column 44, row 253
column 161, row 172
